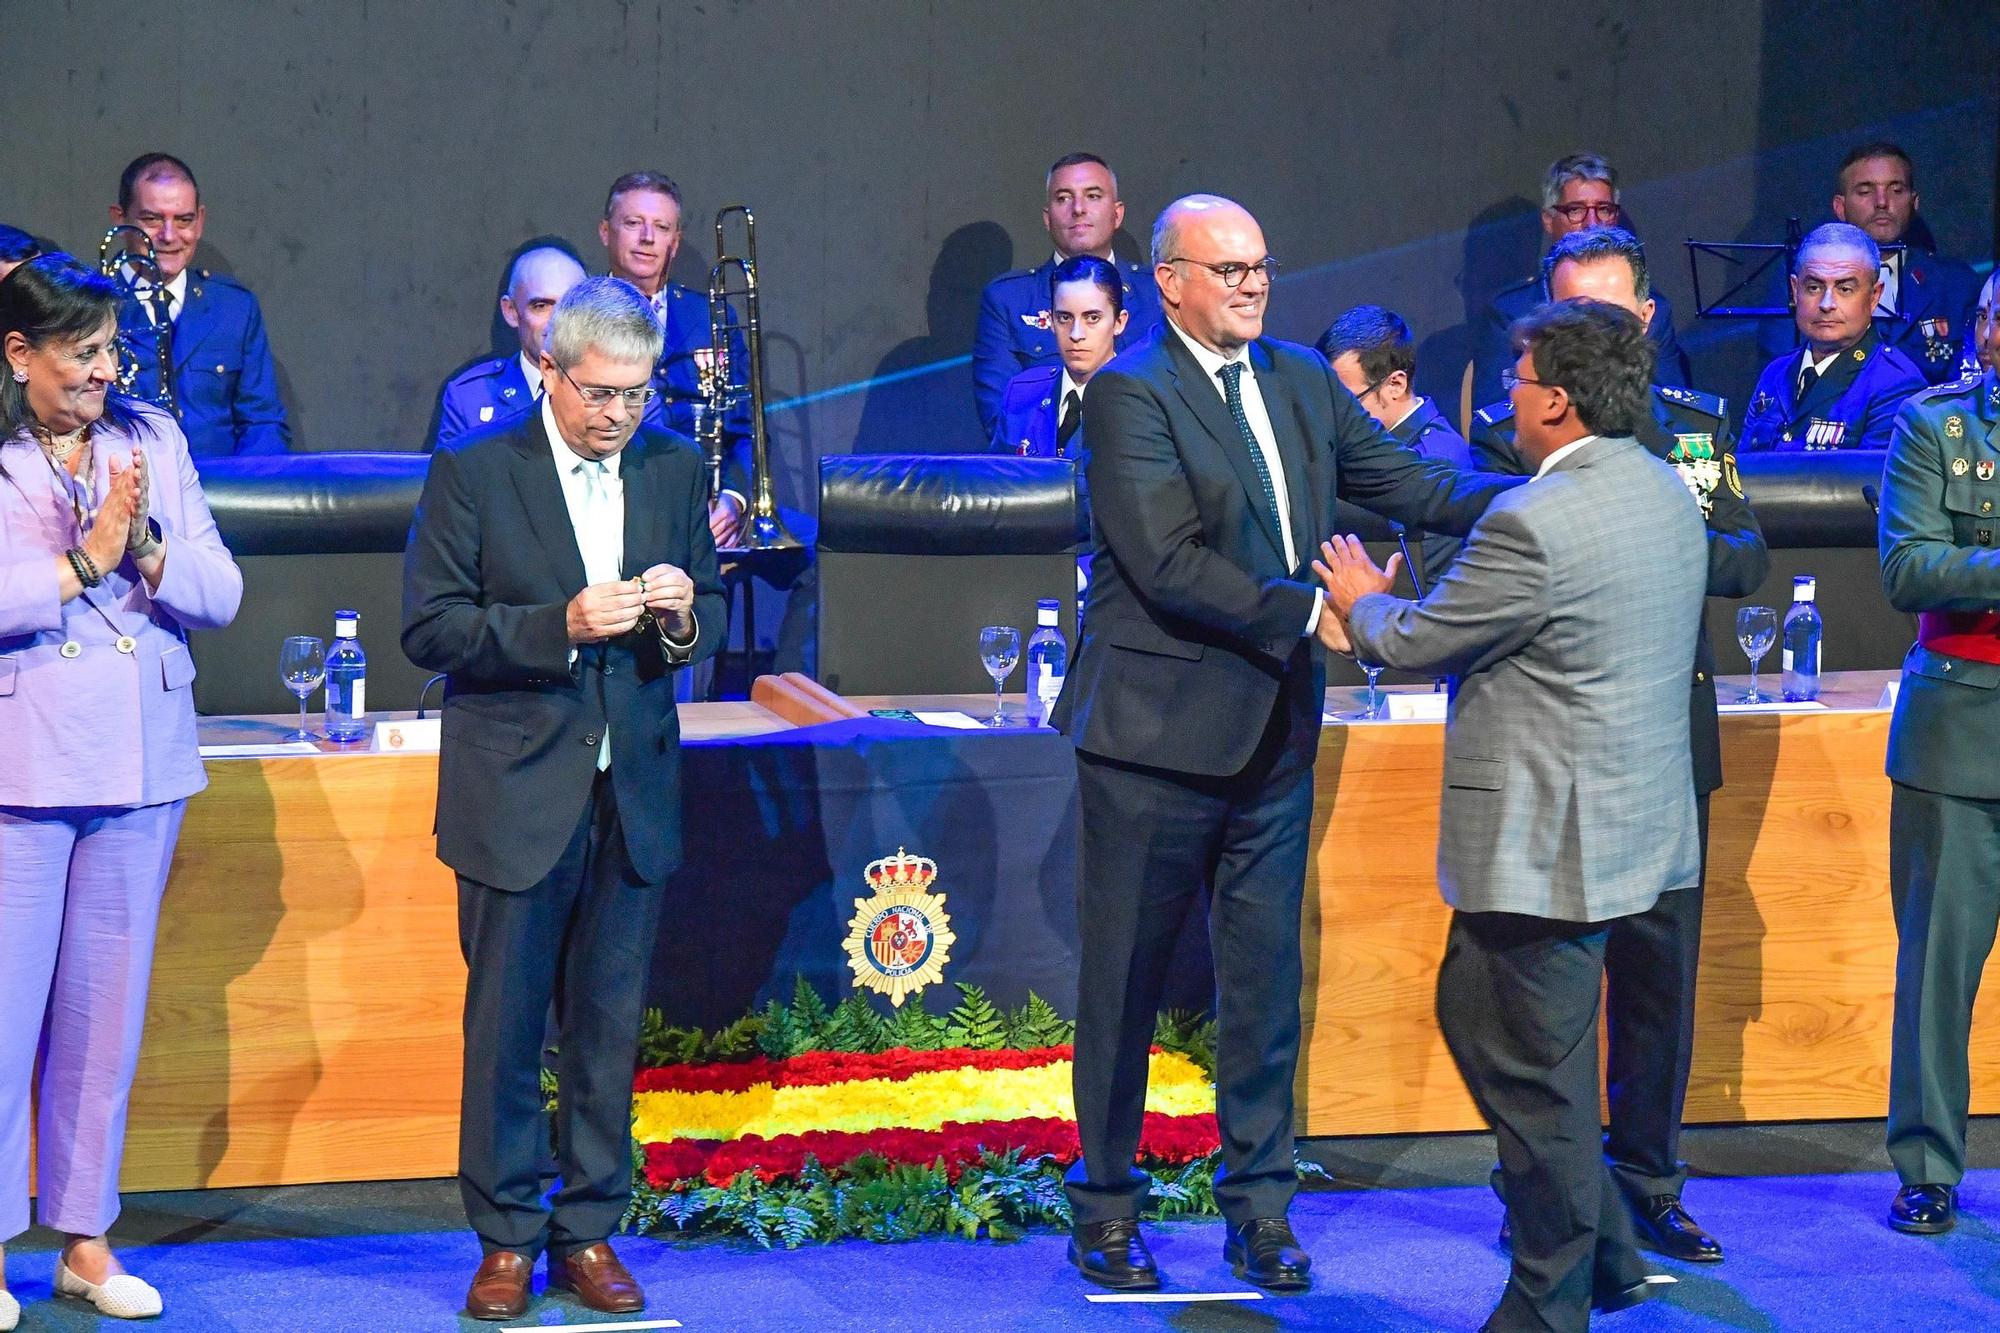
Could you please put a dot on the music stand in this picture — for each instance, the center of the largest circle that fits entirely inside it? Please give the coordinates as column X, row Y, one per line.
column 1756, row 257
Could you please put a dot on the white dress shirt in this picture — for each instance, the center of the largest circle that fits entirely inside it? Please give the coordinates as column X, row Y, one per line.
column 597, row 513
column 176, row 296
column 1260, row 430
column 1561, row 454
column 1891, row 274
column 531, row 371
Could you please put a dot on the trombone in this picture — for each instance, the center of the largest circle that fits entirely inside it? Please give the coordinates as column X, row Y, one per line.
column 725, row 385
column 128, row 268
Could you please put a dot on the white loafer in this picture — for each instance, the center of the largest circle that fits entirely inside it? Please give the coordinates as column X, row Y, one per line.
column 120, row 1297
column 10, row 1311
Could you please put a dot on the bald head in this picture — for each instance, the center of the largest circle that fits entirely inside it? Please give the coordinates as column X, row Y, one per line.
column 538, row 280
column 1201, row 244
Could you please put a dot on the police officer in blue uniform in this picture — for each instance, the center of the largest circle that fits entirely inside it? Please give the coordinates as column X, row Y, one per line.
column 1578, row 192
column 1082, row 214
column 1939, row 535
column 1842, row 388
column 1374, row 357
column 641, row 231
column 1650, row 962
column 501, row 388
column 225, row 384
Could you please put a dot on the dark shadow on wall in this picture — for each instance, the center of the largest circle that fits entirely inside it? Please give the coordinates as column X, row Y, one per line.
column 910, row 407
column 1502, row 242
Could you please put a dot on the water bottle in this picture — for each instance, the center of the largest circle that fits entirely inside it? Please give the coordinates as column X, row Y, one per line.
column 346, row 680
column 1802, row 635
column 1048, row 659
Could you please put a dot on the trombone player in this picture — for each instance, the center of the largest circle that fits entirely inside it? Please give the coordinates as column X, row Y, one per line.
column 225, row 383
column 641, row 231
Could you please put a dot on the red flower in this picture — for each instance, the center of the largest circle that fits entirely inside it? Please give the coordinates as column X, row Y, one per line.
column 822, row 1067
column 1163, row 1138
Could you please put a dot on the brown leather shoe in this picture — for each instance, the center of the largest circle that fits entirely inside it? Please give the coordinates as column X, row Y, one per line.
column 500, row 1287
column 600, row 1280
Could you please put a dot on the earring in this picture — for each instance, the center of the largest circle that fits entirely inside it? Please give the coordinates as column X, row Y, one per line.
column 20, row 377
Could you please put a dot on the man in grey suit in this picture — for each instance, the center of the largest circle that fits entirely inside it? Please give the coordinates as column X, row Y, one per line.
column 1568, row 782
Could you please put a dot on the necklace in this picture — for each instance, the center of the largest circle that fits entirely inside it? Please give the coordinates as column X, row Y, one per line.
column 60, row 447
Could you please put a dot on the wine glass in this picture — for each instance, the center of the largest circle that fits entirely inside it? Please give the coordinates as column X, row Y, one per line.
column 1756, row 631
column 999, row 649
column 1371, row 705
column 302, row 667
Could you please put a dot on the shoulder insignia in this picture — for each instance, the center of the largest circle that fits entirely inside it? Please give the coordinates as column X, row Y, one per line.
column 1948, row 389
column 1705, row 403
column 1493, row 414
column 1731, row 477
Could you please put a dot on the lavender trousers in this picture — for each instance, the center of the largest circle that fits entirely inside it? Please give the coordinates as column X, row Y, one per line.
column 79, row 899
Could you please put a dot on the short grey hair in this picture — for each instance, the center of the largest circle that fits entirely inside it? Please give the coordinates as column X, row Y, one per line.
column 608, row 316
column 1839, row 236
column 1167, row 227
column 1576, row 167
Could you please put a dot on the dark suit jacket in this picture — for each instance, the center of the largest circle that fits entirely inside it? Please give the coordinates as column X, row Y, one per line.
column 1690, row 430
column 1193, row 621
column 491, row 567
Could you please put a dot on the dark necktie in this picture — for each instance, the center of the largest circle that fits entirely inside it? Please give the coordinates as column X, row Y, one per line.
column 1072, row 417
column 1808, row 376
column 1232, row 389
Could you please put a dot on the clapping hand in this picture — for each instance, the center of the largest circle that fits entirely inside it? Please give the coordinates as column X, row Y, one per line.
column 111, row 530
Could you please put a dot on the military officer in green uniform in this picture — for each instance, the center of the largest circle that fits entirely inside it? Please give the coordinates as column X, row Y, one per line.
column 1940, row 515
column 1650, row 963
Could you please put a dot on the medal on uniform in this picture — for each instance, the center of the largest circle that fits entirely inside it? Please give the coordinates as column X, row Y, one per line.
column 1959, row 467
column 1693, row 457
column 1038, row 320
column 1985, row 469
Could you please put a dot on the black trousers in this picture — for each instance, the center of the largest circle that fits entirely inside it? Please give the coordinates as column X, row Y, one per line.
column 1518, row 1002
column 582, row 940
column 1152, row 843
column 1649, row 964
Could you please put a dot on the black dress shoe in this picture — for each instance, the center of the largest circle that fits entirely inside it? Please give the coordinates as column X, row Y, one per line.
column 1265, row 1253
column 1665, row 1228
column 1925, row 1210
column 1113, row 1254
column 1645, row 1289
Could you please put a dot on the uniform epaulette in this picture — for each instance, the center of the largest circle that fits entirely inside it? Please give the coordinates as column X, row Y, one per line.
column 1707, row 404
column 1963, row 384
column 1493, row 414
column 480, row 370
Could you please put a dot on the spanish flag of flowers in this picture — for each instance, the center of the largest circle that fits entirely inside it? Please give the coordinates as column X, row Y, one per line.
column 711, row 1122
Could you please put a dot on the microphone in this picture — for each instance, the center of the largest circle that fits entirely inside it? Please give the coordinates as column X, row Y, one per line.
column 1874, row 499
column 1403, row 542
column 434, row 680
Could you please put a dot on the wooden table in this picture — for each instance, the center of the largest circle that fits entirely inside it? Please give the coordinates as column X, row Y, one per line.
column 305, row 1005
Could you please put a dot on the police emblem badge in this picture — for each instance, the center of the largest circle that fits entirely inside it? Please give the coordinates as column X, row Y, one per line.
column 1037, row 320
column 1985, row 470
column 1693, row 456
column 1959, row 467
column 899, row 940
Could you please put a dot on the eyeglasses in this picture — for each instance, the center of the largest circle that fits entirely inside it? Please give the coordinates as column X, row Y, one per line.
column 596, row 397
column 1602, row 214
column 1233, row 274
column 1509, row 380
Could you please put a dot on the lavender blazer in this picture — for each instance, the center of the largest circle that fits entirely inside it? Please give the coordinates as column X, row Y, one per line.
column 102, row 727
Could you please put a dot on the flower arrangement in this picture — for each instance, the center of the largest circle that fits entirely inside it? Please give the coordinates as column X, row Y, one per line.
column 803, row 1122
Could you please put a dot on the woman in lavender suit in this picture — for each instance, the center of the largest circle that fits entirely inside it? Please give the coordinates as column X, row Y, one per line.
column 108, row 556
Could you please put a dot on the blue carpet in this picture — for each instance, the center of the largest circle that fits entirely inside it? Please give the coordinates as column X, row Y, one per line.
column 1806, row 1251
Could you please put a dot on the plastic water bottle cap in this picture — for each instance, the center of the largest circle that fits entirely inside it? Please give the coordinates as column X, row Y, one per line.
column 1803, row 587
column 1047, row 611
column 346, row 624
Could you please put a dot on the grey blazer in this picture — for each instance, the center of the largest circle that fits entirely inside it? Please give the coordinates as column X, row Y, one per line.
column 1569, row 621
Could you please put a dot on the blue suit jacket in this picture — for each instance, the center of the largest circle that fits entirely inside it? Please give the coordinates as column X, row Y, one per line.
column 1491, row 352
column 1852, row 406
column 1030, row 414
column 483, row 394
column 224, row 380
column 1937, row 295
column 1014, row 331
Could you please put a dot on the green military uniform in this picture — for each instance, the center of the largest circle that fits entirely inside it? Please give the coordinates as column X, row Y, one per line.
column 1940, row 515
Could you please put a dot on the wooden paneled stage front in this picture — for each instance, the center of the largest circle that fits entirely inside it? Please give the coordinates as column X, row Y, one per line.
column 305, row 1010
